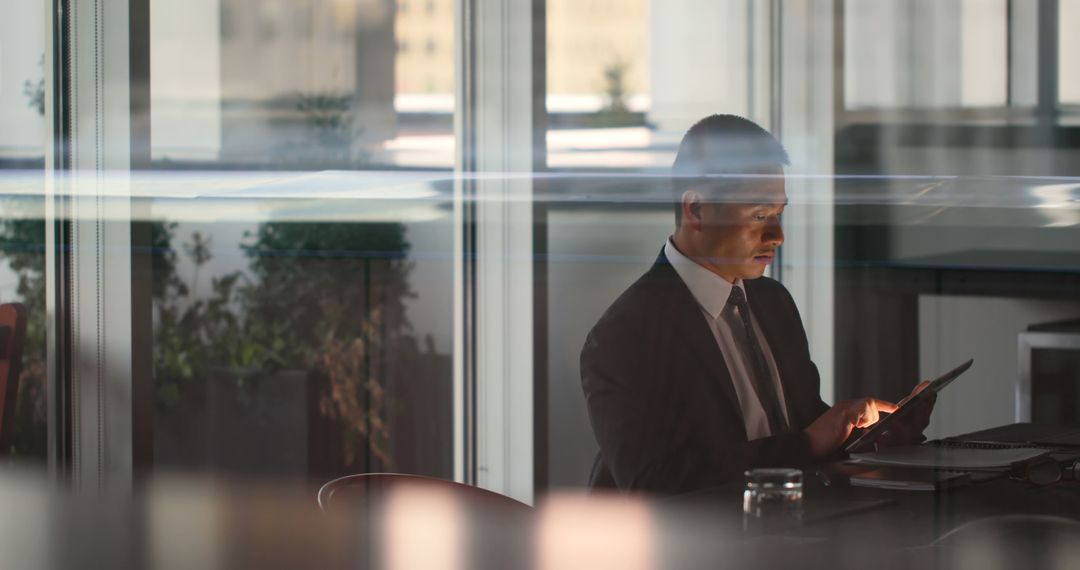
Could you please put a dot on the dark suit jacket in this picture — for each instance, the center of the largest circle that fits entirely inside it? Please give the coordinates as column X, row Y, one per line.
column 660, row 397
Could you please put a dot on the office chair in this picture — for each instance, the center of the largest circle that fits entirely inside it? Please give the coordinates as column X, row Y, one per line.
column 12, row 335
column 367, row 488
column 422, row 522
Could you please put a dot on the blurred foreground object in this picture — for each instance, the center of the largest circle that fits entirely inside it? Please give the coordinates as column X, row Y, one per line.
column 414, row 522
column 411, row 521
column 369, row 487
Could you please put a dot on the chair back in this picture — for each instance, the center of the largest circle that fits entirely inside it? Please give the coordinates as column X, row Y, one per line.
column 374, row 487
column 12, row 335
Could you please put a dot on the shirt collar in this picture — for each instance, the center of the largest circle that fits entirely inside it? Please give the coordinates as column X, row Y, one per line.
column 709, row 289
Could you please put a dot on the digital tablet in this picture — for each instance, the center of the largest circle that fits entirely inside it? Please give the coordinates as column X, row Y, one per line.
column 866, row 441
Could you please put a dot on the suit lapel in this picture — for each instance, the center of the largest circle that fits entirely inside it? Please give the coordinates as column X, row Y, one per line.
column 692, row 332
column 766, row 312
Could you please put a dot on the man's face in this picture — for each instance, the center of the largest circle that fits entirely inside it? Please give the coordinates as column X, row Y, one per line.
column 739, row 239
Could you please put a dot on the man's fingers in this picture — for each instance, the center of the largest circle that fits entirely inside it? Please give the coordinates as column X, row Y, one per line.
column 848, row 428
column 865, row 421
column 854, row 413
column 868, row 413
column 926, row 408
column 882, row 405
column 863, row 412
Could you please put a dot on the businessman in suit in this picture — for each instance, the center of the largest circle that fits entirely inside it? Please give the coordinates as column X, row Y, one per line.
column 701, row 369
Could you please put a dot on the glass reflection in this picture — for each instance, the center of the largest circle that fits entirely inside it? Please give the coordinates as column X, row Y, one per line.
column 301, row 322
column 22, row 190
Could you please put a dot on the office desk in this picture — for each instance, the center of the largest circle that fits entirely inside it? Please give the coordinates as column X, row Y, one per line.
column 1010, row 521
column 997, row 518
column 185, row 523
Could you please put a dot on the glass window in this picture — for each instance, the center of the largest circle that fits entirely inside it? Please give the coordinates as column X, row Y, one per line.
column 22, row 191
column 925, row 55
column 598, row 85
column 299, row 204
column 955, row 230
column 622, row 89
column 916, row 194
column 599, row 98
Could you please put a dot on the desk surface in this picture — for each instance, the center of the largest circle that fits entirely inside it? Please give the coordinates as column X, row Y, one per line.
column 186, row 523
column 181, row 525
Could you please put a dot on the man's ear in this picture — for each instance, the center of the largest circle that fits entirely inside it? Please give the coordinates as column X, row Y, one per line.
column 691, row 209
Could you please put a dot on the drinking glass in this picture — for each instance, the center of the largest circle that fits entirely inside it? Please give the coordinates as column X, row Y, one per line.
column 772, row 499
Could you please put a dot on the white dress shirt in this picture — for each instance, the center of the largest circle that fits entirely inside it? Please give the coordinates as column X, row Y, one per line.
column 711, row 292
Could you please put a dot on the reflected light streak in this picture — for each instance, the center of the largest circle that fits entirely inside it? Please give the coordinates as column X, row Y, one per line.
column 424, row 529
column 1056, row 207
column 596, row 532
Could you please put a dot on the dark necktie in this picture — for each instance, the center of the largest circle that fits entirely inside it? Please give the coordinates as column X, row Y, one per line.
column 759, row 368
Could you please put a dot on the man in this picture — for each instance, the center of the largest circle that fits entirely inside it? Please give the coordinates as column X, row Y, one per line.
column 701, row 369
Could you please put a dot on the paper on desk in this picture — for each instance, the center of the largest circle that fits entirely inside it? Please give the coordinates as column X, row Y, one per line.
column 940, row 457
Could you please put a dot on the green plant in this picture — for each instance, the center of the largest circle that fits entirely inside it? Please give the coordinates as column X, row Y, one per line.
column 35, row 91
column 22, row 245
column 323, row 297
column 327, row 298
column 332, row 297
column 198, row 249
column 615, row 112
column 615, row 87
column 330, row 133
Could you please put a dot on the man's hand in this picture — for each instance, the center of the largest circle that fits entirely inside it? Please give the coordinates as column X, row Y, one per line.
column 909, row 430
column 833, row 427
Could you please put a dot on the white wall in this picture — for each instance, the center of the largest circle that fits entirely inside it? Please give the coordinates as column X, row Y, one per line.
column 806, row 127
column 185, row 83
column 595, row 256
column 925, row 53
column 984, row 38
column 698, row 61
column 955, row 328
